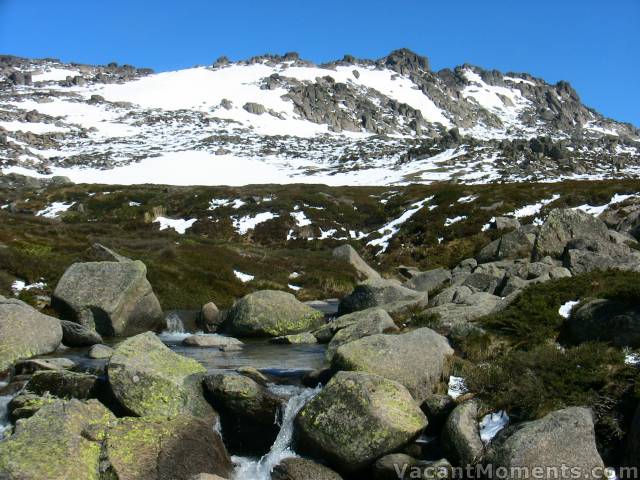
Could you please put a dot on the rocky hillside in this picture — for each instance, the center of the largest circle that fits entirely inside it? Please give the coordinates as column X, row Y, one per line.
column 281, row 119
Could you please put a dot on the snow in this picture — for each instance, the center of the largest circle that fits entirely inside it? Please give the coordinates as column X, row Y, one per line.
column 300, row 218
column 632, row 359
column 225, row 202
column 295, row 288
column 134, row 204
column 565, row 308
column 597, row 210
column 37, row 128
column 467, row 199
column 20, row 285
column 248, row 222
column 180, row 225
column 518, row 80
column 450, row 221
column 55, row 209
column 243, row 277
column 457, row 387
column 491, row 424
column 390, row 229
column 530, row 210
column 55, row 75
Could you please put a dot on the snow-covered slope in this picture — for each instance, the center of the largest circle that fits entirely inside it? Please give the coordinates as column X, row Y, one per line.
column 275, row 119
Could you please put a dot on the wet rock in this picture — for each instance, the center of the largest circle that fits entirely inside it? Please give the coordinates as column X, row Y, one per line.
column 357, row 418
column 113, row 298
column 210, row 318
column 271, row 313
column 461, row 436
column 415, row 359
column 213, row 341
column 76, row 335
column 25, row 332
column 390, row 467
column 302, row 469
column 295, row 339
column 100, row 352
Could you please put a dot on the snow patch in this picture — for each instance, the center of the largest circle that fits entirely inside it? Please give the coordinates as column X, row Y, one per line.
column 55, row 209
column 457, row 387
column 491, row 424
column 249, row 222
column 243, row 277
column 180, row 225
column 450, row 221
column 565, row 308
column 390, row 229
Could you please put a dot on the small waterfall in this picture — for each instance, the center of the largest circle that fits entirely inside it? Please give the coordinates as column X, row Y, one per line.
column 5, row 424
column 260, row 469
column 175, row 331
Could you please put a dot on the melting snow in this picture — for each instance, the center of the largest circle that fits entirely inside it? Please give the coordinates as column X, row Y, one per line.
column 389, row 230
column 180, row 225
column 300, row 218
column 248, row 222
column 294, row 287
column 457, row 387
column 530, row 210
column 450, row 221
column 55, row 209
column 467, row 199
column 491, row 424
column 243, row 277
column 597, row 210
column 565, row 308
column 20, row 285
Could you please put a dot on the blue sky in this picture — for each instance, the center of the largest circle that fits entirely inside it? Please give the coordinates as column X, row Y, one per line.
column 592, row 44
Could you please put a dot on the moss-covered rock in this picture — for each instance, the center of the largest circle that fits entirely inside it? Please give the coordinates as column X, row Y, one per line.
column 25, row 332
column 302, row 469
column 415, row 359
column 157, row 448
column 61, row 441
column 357, row 418
column 461, row 436
column 64, row 384
column 271, row 313
column 147, row 378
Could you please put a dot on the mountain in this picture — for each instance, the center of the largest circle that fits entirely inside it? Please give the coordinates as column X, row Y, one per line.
column 282, row 119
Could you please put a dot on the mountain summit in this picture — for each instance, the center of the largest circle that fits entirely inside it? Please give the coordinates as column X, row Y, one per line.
column 282, row 119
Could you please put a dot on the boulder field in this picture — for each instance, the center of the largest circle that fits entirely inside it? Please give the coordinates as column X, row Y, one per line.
column 382, row 403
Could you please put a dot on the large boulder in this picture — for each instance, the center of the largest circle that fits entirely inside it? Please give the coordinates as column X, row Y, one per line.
column 302, row 469
column 154, row 448
column 369, row 322
column 605, row 321
column 562, row 438
column 61, row 441
column 271, row 313
column 563, row 225
column 375, row 293
column 113, row 298
column 461, row 435
column 213, row 341
column 76, row 335
column 356, row 419
column 25, row 332
column 429, row 281
column 347, row 253
column 415, row 359
column 147, row 378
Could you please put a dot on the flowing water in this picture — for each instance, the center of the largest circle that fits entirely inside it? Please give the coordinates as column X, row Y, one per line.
column 260, row 468
column 5, row 424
